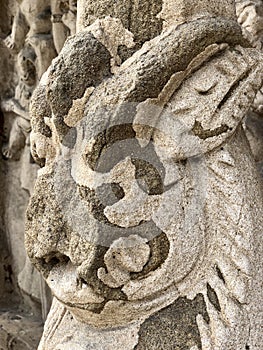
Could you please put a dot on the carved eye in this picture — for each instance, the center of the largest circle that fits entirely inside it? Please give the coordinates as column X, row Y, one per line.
column 148, row 177
column 118, row 142
column 110, row 193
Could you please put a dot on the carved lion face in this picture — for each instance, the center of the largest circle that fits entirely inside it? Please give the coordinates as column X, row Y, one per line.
column 116, row 224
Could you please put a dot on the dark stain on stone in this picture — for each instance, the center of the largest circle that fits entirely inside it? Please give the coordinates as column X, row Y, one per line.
column 62, row 129
column 52, row 259
column 104, row 140
column 159, row 246
column 95, row 206
column 45, row 15
column 203, row 134
column 219, row 274
column 174, row 327
column 91, row 278
column 232, row 89
column 148, row 177
column 213, row 298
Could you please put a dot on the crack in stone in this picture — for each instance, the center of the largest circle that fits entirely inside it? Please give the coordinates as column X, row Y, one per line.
column 204, row 134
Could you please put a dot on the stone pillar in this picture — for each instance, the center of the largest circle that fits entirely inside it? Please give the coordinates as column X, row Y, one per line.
column 146, row 212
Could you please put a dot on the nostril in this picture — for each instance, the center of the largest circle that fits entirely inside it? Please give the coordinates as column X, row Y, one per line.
column 54, row 261
column 81, row 283
column 49, row 261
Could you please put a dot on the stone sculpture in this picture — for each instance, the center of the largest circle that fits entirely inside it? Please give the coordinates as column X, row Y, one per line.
column 146, row 213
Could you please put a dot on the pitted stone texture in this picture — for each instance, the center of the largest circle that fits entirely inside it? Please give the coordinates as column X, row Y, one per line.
column 174, row 327
column 139, row 17
column 185, row 11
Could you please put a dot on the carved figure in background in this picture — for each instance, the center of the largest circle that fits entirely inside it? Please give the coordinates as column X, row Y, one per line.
column 31, row 38
column 145, row 197
column 63, row 17
column 20, row 103
column 250, row 16
column 32, row 26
